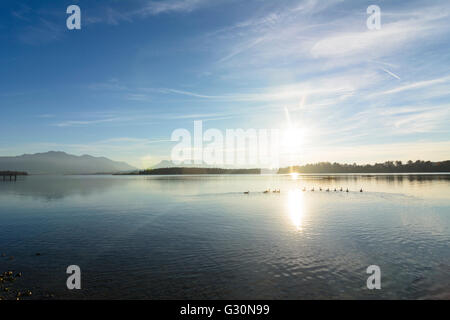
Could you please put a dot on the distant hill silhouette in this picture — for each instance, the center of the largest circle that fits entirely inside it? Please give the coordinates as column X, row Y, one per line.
column 56, row 162
column 418, row 166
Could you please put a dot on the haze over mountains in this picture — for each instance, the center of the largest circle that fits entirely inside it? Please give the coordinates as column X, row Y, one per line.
column 170, row 164
column 167, row 164
column 56, row 162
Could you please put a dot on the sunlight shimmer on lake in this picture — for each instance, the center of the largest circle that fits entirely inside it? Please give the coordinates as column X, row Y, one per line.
column 157, row 237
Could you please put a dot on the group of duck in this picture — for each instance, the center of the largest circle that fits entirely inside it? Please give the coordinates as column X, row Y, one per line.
column 304, row 190
column 328, row 189
column 266, row 191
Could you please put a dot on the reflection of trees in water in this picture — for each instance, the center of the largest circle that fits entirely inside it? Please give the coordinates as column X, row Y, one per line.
column 381, row 178
column 58, row 187
column 386, row 177
column 399, row 179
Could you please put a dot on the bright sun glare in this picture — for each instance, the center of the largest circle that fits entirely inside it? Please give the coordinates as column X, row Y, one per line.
column 293, row 138
column 293, row 145
column 295, row 208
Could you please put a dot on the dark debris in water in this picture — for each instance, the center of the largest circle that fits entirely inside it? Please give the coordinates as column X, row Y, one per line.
column 10, row 288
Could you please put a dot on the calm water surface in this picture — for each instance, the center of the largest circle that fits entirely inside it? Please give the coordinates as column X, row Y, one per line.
column 201, row 237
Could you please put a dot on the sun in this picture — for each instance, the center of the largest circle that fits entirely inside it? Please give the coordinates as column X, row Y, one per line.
column 293, row 139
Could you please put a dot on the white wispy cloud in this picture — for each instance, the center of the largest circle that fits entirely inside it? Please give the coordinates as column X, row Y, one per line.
column 353, row 44
column 158, row 7
column 143, row 9
column 416, row 85
column 335, row 85
column 139, row 117
column 112, row 84
column 73, row 123
column 22, row 12
column 43, row 31
column 431, row 120
column 42, row 28
column 131, row 140
column 304, row 41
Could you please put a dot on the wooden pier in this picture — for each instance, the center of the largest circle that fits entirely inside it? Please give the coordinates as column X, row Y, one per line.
column 11, row 175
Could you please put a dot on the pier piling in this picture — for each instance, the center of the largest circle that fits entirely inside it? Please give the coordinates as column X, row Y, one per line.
column 11, row 175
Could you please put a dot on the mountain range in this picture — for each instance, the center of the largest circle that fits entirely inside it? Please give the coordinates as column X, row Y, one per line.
column 57, row 162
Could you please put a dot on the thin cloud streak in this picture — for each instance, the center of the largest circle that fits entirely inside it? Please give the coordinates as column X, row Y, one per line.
column 416, row 85
column 391, row 73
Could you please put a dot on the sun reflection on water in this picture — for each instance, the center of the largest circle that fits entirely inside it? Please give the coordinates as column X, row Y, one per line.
column 295, row 208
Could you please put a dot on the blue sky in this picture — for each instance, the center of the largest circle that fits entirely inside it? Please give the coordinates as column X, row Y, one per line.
column 138, row 69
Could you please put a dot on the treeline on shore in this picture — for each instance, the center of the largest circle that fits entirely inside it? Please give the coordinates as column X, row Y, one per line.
column 418, row 166
column 183, row 170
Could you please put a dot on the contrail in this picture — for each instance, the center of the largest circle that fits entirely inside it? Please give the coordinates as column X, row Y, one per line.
column 288, row 117
column 391, row 73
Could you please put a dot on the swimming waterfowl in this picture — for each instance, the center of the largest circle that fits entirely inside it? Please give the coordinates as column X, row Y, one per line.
column 346, row 190
column 328, row 189
column 320, row 188
column 341, row 189
column 335, row 190
column 266, row 191
column 360, row 190
column 246, row 192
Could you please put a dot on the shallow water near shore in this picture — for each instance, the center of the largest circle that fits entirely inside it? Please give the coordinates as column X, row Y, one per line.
column 201, row 237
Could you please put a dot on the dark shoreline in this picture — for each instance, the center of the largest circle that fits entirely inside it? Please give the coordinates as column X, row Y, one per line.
column 418, row 166
column 368, row 174
column 184, row 170
column 388, row 167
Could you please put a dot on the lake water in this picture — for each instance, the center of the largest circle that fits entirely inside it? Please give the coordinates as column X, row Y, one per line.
column 201, row 237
